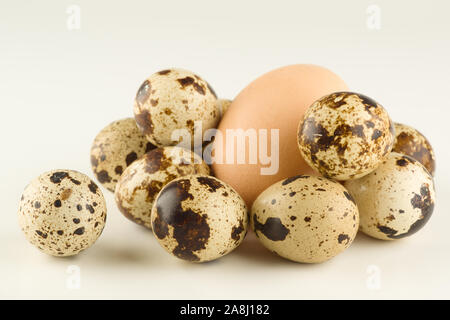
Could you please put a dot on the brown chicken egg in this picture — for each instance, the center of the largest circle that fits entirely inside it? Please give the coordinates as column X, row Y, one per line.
column 268, row 111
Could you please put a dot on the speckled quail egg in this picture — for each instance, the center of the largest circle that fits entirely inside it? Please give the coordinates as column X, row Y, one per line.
column 396, row 200
column 175, row 99
column 305, row 218
column 345, row 135
column 140, row 183
column 115, row 148
column 199, row 218
column 411, row 142
column 223, row 105
column 207, row 148
column 62, row 212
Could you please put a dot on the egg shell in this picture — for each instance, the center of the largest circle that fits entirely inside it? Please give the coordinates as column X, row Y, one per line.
column 276, row 100
column 140, row 183
column 62, row 212
column 345, row 135
column 115, row 148
column 396, row 200
column 174, row 99
column 223, row 105
column 411, row 142
column 207, row 148
column 305, row 218
column 199, row 218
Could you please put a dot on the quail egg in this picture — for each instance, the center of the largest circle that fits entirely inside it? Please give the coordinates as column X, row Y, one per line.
column 345, row 135
column 206, row 149
column 115, row 148
column 396, row 200
column 305, row 218
column 175, row 99
column 199, row 218
column 223, row 105
column 142, row 180
column 411, row 142
column 62, row 212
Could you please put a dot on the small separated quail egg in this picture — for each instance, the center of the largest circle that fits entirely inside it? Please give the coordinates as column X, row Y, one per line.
column 62, row 212
column 345, row 135
column 396, row 200
column 223, row 105
column 115, row 148
column 411, row 142
column 305, row 218
column 199, row 218
column 140, row 183
column 175, row 99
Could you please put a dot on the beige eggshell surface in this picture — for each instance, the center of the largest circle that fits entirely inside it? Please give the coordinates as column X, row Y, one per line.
column 396, row 200
column 62, row 212
column 206, row 150
column 115, row 148
column 274, row 101
column 345, row 135
column 140, row 183
column 174, row 99
column 223, row 105
column 199, row 218
column 411, row 142
column 305, row 218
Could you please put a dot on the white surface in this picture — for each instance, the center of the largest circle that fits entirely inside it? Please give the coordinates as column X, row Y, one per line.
column 58, row 88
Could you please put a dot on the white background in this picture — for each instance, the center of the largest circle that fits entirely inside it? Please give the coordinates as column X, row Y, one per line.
column 59, row 87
